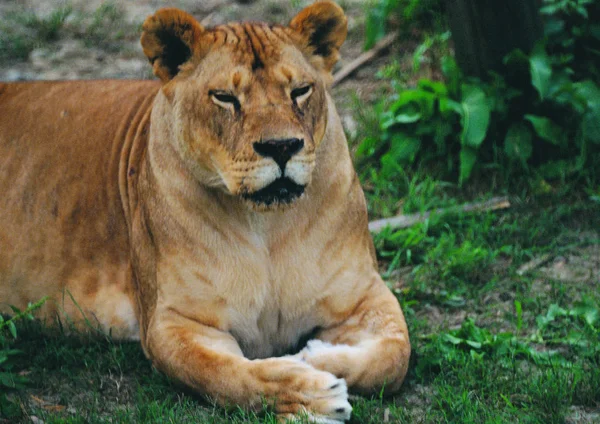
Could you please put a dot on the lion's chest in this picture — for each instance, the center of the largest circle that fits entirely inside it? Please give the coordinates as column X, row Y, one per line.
column 270, row 332
column 272, row 311
column 267, row 303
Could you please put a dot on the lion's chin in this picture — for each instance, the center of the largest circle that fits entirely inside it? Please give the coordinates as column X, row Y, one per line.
column 278, row 195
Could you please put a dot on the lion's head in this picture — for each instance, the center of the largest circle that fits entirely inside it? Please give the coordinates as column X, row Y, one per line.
column 247, row 101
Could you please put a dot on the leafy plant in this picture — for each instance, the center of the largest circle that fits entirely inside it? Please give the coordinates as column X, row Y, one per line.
column 9, row 380
column 414, row 12
column 21, row 32
column 480, row 343
column 100, row 31
column 542, row 114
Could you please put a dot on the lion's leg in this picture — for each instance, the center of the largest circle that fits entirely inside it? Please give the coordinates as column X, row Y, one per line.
column 370, row 349
column 211, row 362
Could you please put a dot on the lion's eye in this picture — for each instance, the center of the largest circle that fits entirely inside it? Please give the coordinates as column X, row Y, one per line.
column 225, row 100
column 301, row 93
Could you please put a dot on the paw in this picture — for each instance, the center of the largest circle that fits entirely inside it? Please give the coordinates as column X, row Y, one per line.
column 342, row 360
column 330, row 404
column 327, row 356
column 298, row 390
column 316, row 348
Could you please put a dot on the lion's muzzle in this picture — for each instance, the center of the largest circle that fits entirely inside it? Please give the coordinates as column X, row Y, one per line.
column 281, row 151
column 281, row 191
column 284, row 189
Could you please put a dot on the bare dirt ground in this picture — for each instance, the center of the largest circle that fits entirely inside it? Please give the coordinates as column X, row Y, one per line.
column 75, row 56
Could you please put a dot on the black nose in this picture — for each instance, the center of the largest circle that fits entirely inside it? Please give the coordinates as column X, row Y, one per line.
column 279, row 150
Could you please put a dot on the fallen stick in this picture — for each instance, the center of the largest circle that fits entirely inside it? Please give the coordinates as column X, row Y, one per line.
column 367, row 56
column 405, row 221
column 533, row 264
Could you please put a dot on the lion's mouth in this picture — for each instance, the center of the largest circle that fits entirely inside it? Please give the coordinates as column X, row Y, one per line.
column 282, row 190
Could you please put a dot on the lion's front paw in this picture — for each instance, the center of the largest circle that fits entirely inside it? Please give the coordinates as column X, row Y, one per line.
column 297, row 389
column 340, row 360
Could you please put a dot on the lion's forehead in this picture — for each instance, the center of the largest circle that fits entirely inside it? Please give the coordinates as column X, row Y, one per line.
column 255, row 43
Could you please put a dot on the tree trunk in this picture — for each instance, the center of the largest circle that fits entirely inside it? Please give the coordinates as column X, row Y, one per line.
column 484, row 31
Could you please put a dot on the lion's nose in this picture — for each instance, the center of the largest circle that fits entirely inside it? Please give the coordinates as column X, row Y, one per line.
column 279, row 150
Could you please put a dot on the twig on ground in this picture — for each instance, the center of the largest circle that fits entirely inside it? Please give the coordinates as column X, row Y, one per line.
column 364, row 58
column 533, row 264
column 405, row 221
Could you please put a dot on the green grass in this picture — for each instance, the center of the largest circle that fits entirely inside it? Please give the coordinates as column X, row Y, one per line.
column 489, row 345
column 22, row 31
column 106, row 27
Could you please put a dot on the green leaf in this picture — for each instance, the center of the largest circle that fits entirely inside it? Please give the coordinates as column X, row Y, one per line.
column 589, row 91
column 443, row 129
column 555, row 311
column 516, row 60
column 586, row 310
column 551, row 9
column 595, row 31
column 476, row 116
column 591, row 125
column 7, row 380
column 555, row 169
column 576, row 338
column 476, row 356
column 12, row 328
column 404, row 98
column 407, row 118
column 554, row 27
column 404, row 148
column 409, row 97
column 10, row 408
column 449, row 105
column 541, row 322
column 453, row 75
column 468, row 156
column 541, row 70
column 435, row 87
column 411, row 102
column 473, row 344
column 561, row 87
column 450, row 338
column 517, row 144
column 367, row 147
column 375, row 25
column 519, row 311
column 548, row 130
column 390, row 168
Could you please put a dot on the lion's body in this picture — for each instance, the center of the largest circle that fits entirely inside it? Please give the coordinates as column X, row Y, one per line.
column 63, row 225
column 65, row 232
column 217, row 216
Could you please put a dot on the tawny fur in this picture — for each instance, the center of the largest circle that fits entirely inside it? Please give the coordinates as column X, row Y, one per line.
column 122, row 200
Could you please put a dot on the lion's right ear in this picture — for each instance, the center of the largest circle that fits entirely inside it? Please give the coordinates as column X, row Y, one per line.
column 169, row 39
column 324, row 27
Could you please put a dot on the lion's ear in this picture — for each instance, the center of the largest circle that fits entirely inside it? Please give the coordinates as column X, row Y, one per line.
column 169, row 39
column 323, row 27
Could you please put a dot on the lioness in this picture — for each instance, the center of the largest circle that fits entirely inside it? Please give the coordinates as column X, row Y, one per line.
column 215, row 215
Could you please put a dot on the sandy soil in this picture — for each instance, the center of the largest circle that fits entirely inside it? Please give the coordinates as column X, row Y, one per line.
column 72, row 56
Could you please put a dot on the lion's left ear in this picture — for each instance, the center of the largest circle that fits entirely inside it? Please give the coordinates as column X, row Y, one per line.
column 169, row 39
column 323, row 26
